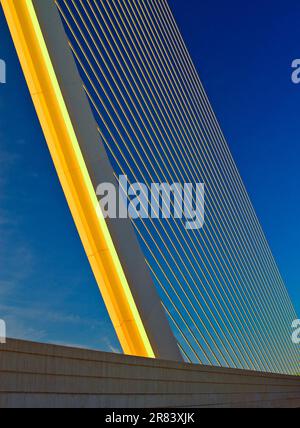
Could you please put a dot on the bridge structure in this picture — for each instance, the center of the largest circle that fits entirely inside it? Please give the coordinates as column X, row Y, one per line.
column 35, row 375
column 117, row 93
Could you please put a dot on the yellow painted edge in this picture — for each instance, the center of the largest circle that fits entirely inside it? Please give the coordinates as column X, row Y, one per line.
column 74, row 177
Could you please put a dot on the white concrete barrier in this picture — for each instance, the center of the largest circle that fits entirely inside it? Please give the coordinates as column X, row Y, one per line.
column 48, row 376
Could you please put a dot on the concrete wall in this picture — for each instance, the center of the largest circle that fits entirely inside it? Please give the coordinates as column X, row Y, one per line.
column 37, row 375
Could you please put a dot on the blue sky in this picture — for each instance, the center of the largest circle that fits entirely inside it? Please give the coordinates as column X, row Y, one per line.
column 244, row 54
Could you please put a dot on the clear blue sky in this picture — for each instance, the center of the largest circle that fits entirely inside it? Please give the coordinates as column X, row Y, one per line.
column 243, row 52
